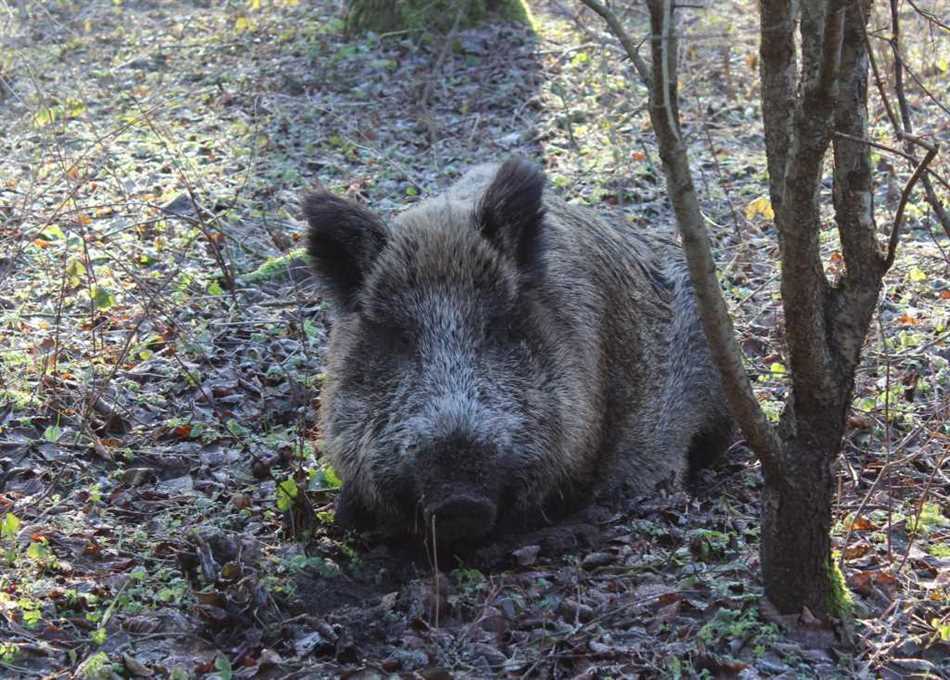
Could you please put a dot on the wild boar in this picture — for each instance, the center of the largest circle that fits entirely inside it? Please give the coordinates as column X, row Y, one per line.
column 499, row 355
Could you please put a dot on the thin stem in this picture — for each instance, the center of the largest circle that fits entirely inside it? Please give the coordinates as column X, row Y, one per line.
column 613, row 23
column 905, row 194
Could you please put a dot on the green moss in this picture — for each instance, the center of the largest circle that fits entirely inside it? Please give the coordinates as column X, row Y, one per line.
column 277, row 268
column 840, row 601
column 939, row 550
column 437, row 16
column 19, row 399
column 930, row 517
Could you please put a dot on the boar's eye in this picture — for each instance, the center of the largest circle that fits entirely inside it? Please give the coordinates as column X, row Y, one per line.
column 390, row 338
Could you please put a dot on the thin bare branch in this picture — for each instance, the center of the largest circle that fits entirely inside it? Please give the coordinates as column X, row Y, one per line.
column 906, row 128
column 717, row 324
column 896, row 152
column 881, row 90
column 666, row 66
column 929, row 16
column 613, row 23
column 905, row 194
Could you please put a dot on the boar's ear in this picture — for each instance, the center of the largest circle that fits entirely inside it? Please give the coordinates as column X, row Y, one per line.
column 510, row 213
column 343, row 243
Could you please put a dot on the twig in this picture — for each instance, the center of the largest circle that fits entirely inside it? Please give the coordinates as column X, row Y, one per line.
column 665, row 69
column 896, row 152
column 617, row 29
column 887, row 420
column 907, row 127
column 877, row 75
column 722, row 184
column 435, row 570
column 905, row 194
column 929, row 16
column 920, row 508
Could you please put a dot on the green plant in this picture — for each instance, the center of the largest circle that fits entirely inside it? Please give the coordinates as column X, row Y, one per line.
column 734, row 624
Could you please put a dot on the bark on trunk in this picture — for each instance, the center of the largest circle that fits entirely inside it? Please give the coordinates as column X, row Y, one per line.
column 777, row 69
column 796, row 524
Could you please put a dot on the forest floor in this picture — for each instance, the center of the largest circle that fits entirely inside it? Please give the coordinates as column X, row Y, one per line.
column 158, row 399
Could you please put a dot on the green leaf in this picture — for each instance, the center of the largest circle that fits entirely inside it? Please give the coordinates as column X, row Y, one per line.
column 102, row 297
column 74, row 272
column 10, row 526
column 916, row 275
column 286, row 493
column 215, row 289
column 777, row 369
column 52, row 433
column 580, row 59
column 44, row 117
column 38, row 551
column 32, row 617
column 310, row 329
column 235, row 428
column 332, row 479
column 53, row 233
column 324, row 478
column 75, row 107
column 99, row 636
column 242, row 24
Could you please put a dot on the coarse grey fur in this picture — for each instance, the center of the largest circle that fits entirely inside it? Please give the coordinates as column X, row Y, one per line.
column 498, row 354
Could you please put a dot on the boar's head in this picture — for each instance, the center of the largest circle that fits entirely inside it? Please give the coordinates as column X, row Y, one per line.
column 436, row 412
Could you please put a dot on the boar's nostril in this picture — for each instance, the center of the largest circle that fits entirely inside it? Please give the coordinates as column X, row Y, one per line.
column 461, row 518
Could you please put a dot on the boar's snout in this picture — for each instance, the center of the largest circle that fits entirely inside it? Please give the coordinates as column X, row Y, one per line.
column 463, row 516
column 457, row 471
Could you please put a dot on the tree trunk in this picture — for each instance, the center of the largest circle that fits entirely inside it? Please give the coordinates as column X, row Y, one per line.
column 796, row 523
column 826, row 322
column 438, row 16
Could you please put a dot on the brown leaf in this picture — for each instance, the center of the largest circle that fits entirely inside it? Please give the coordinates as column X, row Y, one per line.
column 136, row 667
column 906, row 319
column 241, row 501
column 865, row 581
column 853, row 552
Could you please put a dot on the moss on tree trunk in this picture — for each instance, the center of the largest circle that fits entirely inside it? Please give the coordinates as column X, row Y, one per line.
column 387, row 16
